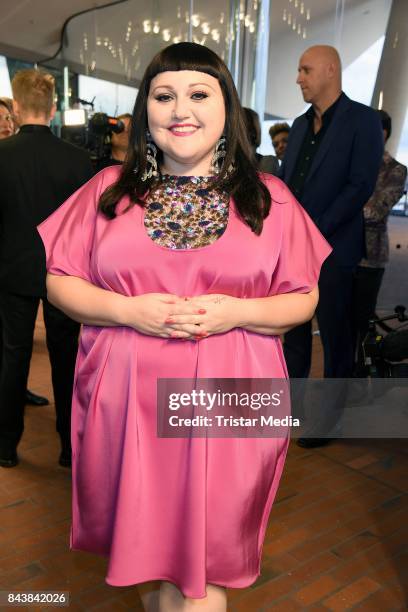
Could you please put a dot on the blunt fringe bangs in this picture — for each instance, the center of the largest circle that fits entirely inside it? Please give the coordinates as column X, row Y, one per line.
column 180, row 57
column 251, row 196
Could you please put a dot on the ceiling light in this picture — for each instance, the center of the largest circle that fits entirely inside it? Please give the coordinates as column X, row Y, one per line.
column 205, row 27
column 215, row 35
column 147, row 26
column 166, row 35
column 195, row 20
column 156, row 27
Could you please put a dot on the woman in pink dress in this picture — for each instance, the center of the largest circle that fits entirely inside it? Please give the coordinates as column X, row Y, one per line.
column 184, row 263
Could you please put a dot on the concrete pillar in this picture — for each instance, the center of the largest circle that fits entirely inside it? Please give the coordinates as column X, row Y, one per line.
column 391, row 87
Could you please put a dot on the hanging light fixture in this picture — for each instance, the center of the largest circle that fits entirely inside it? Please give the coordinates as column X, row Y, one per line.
column 195, row 20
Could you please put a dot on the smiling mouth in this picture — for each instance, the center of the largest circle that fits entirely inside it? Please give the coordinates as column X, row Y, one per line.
column 183, row 130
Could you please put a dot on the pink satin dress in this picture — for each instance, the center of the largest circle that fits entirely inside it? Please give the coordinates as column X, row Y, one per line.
column 189, row 511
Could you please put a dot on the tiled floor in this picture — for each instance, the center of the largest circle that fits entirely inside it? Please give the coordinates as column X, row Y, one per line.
column 337, row 537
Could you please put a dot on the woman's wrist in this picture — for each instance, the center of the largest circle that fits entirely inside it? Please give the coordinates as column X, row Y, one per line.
column 242, row 311
column 124, row 310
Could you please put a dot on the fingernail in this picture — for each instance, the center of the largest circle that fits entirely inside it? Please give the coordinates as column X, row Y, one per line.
column 202, row 311
column 169, row 320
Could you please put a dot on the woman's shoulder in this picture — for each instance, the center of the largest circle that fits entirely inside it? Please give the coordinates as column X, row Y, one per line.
column 107, row 176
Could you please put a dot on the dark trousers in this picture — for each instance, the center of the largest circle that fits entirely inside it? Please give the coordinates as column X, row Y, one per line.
column 334, row 318
column 18, row 314
column 366, row 286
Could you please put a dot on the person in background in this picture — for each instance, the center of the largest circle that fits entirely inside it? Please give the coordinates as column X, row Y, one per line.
column 6, row 118
column 7, row 129
column 266, row 163
column 38, row 171
column 331, row 166
column 279, row 133
column 119, row 144
column 369, row 273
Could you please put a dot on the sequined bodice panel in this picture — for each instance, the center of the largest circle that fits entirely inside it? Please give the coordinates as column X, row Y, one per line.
column 183, row 212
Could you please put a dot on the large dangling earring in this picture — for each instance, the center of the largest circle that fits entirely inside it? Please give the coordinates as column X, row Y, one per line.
column 219, row 156
column 151, row 161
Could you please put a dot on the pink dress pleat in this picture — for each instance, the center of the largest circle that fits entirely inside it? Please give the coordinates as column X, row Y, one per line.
column 190, row 511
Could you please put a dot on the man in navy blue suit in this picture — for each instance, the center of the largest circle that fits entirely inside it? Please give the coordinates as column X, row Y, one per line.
column 331, row 165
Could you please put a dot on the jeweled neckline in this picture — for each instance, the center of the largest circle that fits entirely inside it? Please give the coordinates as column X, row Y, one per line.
column 186, row 178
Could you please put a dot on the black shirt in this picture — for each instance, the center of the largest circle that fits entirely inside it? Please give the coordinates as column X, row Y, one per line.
column 309, row 148
column 105, row 162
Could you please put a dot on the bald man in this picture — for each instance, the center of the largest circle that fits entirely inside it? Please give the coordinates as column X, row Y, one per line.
column 331, row 165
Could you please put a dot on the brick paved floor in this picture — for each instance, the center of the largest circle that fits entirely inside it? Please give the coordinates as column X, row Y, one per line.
column 337, row 537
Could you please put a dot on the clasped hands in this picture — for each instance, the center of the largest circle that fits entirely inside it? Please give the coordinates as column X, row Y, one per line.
column 189, row 318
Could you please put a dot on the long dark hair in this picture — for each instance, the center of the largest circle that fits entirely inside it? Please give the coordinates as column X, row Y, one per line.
column 251, row 196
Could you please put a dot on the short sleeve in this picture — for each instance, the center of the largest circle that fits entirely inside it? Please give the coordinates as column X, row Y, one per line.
column 68, row 233
column 303, row 249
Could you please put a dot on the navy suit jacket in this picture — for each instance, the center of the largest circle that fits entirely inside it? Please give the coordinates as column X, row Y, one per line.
column 342, row 176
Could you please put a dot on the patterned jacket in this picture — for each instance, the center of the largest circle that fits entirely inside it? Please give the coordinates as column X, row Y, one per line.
column 388, row 190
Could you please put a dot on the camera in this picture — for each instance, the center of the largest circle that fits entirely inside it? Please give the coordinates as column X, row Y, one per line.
column 93, row 133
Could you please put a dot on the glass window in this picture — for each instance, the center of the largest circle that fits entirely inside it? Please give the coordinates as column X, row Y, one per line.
column 110, row 98
column 5, row 86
